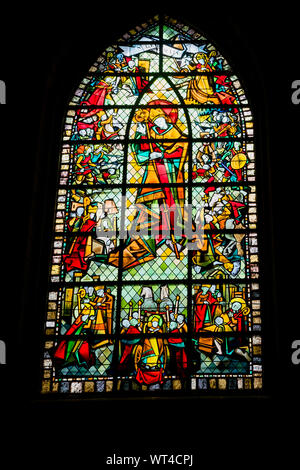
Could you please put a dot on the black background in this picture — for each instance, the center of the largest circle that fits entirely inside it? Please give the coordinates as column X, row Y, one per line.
column 45, row 52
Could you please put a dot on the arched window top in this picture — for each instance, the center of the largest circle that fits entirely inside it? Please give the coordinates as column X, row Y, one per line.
column 160, row 49
column 154, row 279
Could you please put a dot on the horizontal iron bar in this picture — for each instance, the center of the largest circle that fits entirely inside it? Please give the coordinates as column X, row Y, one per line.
column 160, row 282
column 110, row 186
column 157, row 106
column 126, row 140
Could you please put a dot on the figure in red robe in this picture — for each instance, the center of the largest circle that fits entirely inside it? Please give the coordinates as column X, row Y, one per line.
column 88, row 119
column 129, row 343
column 76, row 350
column 80, row 249
column 177, row 346
column 203, row 302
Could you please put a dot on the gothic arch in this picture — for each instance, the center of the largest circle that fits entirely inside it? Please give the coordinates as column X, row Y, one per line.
column 154, row 280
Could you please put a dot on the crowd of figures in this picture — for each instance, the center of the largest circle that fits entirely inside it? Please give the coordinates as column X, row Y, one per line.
column 154, row 333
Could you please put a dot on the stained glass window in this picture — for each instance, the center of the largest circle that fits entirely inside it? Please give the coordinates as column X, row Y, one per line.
column 154, row 277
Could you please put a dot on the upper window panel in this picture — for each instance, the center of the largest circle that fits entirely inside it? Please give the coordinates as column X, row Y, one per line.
column 154, row 280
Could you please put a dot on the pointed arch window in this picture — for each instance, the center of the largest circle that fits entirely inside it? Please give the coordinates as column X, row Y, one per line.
column 154, row 277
